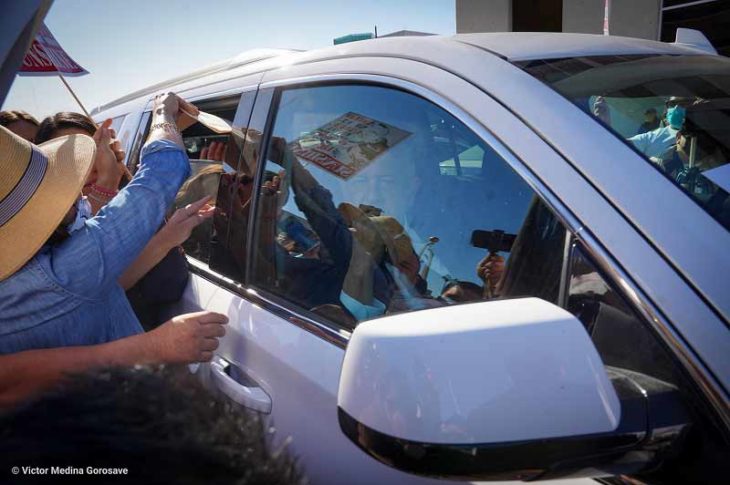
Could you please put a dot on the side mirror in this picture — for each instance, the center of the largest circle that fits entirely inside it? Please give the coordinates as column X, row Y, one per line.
column 501, row 390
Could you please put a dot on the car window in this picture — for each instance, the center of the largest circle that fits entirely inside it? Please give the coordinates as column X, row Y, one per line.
column 233, row 202
column 117, row 122
column 673, row 109
column 374, row 201
column 626, row 344
column 139, row 139
column 211, row 155
column 612, row 323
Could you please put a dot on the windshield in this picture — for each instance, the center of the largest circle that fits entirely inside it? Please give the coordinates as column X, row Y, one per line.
column 673, row 109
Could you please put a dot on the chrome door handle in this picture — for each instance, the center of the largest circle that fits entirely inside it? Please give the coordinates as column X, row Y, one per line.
column 250, row 396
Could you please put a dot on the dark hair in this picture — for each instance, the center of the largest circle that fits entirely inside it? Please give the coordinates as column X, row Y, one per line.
column 62, row 121
column 8, row 117
column 157, row 422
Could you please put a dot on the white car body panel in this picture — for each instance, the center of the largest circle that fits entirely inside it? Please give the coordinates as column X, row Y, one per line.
column 301, row 373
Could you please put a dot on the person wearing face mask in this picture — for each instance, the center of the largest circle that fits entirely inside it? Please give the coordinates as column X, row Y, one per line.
column 659, row 144
column 59, row 266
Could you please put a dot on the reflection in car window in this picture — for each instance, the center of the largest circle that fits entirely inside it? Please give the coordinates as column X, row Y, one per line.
column 210, row 157
column 674, row 110
column 374, row 201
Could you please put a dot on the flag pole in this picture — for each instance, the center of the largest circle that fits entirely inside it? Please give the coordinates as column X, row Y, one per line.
column 63, row 79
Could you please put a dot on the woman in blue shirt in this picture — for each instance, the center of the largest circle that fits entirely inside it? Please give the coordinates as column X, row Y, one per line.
column 59, row 268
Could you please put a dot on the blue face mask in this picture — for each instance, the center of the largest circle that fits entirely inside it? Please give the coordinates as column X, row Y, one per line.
column 675, row 116
column 83, row 212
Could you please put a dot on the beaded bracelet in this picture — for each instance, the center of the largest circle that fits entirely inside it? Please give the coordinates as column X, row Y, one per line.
column 166, row 125
column 103, row 192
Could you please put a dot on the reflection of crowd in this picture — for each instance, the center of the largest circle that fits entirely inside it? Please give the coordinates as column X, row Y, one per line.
column 353, row 261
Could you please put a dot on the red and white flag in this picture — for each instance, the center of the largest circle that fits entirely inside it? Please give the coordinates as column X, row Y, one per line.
column 46, row 57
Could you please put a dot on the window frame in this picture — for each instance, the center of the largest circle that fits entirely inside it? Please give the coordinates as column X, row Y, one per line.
column 145, row 120
column 309, row 321
column 605, row 262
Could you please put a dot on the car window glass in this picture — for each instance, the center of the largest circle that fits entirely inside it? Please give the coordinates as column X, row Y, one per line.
column 117, row 123
column 210, row 158
column 374, row 201
column 233, row 202
column 628, row 345
column 673, row 109
column 139, row 139
column 617, row 331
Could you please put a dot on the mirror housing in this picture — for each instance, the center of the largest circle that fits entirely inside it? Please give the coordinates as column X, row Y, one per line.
column 500, row 390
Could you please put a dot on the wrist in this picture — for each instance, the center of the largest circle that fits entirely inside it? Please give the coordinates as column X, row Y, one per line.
column 108, row 183
column 163, row 128
column 163, row 241
column 147, row 348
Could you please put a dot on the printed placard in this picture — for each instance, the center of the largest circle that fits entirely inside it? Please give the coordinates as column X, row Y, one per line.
column 347, row 144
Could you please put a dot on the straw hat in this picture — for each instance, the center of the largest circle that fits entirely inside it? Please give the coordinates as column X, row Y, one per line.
column 38, row 185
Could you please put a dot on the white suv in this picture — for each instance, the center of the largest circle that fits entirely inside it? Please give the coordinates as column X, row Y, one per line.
column 459, row 257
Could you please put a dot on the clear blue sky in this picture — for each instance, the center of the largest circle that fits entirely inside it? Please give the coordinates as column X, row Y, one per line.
column 129, row 44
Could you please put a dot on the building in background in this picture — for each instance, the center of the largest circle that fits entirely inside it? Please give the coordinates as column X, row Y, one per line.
column 646, row 19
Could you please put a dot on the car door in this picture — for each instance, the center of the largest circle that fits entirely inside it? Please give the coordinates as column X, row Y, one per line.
column 293, row 280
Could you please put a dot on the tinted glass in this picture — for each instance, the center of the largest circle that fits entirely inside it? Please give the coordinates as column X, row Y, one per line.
column 210, row 158
column 233, row 206
column 674, row 110
column 117, row 123
column 621, row 337
column 375, row 201
column 140, row 138
column 624, row 341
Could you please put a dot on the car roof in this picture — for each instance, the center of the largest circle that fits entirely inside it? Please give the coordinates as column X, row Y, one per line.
column 511, row 46
column 242, row 59
column 522, row 46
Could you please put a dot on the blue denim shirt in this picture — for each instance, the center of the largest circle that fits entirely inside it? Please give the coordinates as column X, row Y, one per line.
column 68, row 294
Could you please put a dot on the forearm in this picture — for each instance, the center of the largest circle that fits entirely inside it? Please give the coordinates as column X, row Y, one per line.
column 26, row 373
column 152, row 254
column 164, row 127
column 324, row 218
column 124, row 227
